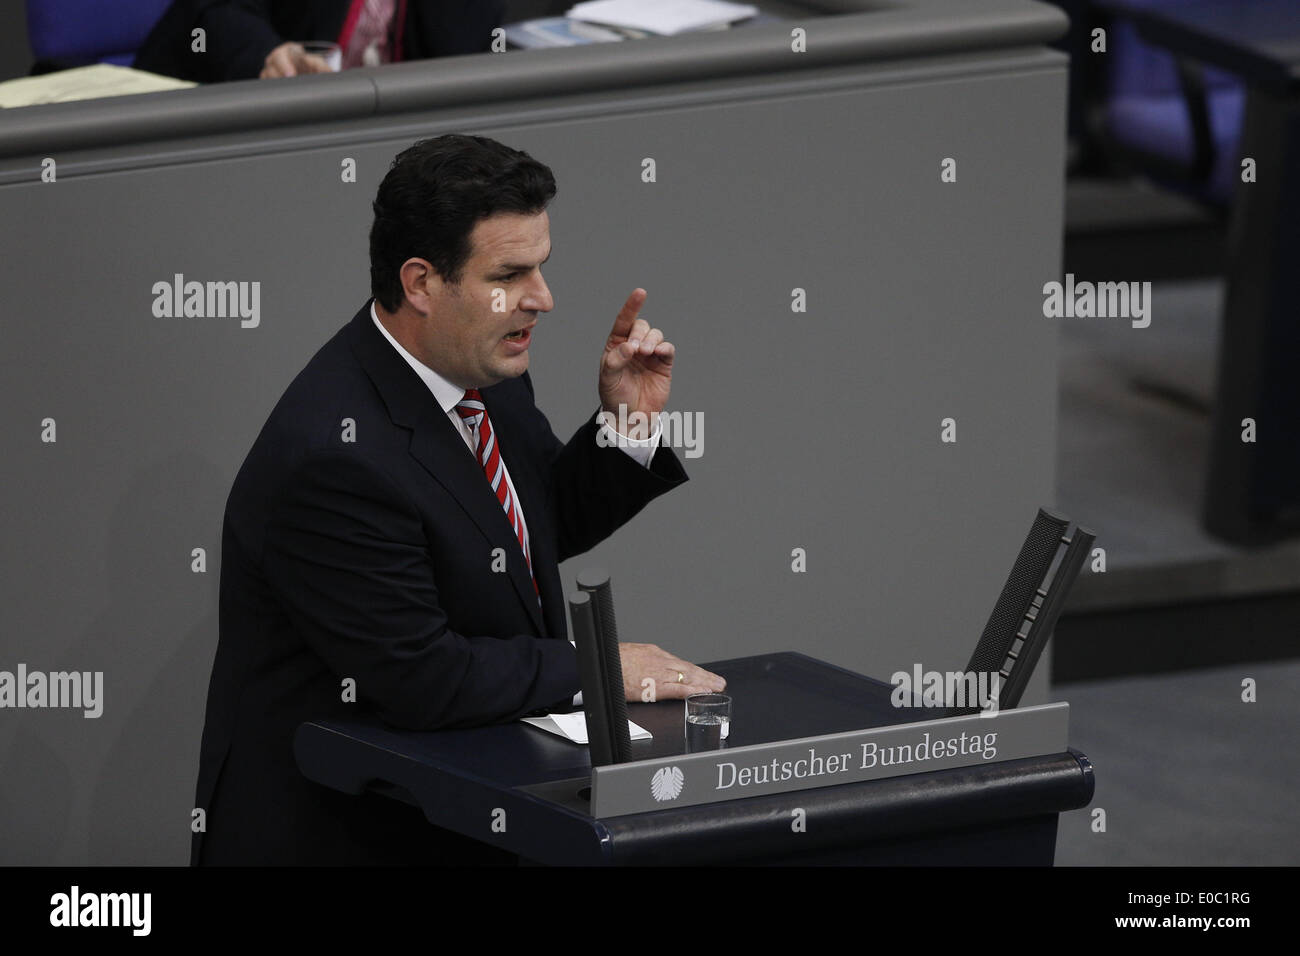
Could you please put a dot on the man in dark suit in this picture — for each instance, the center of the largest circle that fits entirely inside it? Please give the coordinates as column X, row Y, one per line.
column 392, row 541
column 245, row 39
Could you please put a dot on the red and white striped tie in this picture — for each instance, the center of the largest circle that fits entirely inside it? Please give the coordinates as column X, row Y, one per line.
column 474, row 412
column 371, row 31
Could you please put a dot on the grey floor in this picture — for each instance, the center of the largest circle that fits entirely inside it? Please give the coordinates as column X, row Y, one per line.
column 1187, row 773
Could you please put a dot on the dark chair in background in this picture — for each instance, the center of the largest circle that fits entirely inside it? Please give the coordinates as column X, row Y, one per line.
column 1168, row 116
column 69, row 33
column 1141, row 109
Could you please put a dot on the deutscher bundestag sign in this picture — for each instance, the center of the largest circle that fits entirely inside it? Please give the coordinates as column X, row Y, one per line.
column 809, row 762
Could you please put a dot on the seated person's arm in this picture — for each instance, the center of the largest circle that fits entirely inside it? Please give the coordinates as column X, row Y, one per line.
column 243, row 43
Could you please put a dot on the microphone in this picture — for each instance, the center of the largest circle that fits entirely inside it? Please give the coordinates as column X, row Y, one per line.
column 595, row 584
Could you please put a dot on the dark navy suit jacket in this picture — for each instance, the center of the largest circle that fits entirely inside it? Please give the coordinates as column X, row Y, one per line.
column 358, row 543
column 240, row 33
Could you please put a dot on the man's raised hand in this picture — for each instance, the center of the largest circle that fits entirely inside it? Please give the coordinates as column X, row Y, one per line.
column 636, row 368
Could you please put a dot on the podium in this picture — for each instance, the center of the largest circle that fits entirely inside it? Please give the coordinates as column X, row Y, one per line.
column 527, row 791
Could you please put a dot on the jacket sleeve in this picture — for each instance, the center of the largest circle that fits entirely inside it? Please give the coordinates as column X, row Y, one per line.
column 239, row 36
column 451, row 27
column 594, row 491
column 346, row 553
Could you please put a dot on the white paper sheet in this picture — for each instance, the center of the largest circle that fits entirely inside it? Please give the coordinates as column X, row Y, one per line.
column 84, row 83
column 574, row 726
column 665, row 17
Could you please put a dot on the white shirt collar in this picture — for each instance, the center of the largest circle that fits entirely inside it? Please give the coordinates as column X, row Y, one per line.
column 447, row 393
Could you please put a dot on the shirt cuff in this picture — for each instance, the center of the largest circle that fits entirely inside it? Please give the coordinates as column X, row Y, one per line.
column 640, row 450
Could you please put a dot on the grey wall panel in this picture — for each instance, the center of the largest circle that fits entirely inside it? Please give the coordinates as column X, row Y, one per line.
column 821, row 430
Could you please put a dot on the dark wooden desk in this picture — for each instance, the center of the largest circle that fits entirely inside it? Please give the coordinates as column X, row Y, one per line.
column 1000, row 813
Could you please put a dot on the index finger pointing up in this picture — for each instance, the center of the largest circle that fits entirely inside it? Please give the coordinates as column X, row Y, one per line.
column 627, row 316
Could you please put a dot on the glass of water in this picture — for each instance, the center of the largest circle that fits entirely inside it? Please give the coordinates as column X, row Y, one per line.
column 708, row 719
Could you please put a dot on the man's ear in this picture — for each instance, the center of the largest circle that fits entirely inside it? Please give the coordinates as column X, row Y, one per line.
column 421, row 284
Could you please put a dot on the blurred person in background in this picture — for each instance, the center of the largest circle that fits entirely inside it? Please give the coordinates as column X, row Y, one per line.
column 246, row 39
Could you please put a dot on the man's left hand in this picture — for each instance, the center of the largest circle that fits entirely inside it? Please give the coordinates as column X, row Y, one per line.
column 636, row 369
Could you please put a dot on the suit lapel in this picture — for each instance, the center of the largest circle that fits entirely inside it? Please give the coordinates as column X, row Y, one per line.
column 442, row 452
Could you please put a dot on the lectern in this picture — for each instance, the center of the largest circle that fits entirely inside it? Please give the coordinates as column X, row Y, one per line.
column 529, row 792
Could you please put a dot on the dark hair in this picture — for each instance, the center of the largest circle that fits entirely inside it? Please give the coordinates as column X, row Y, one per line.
column 432, row 197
